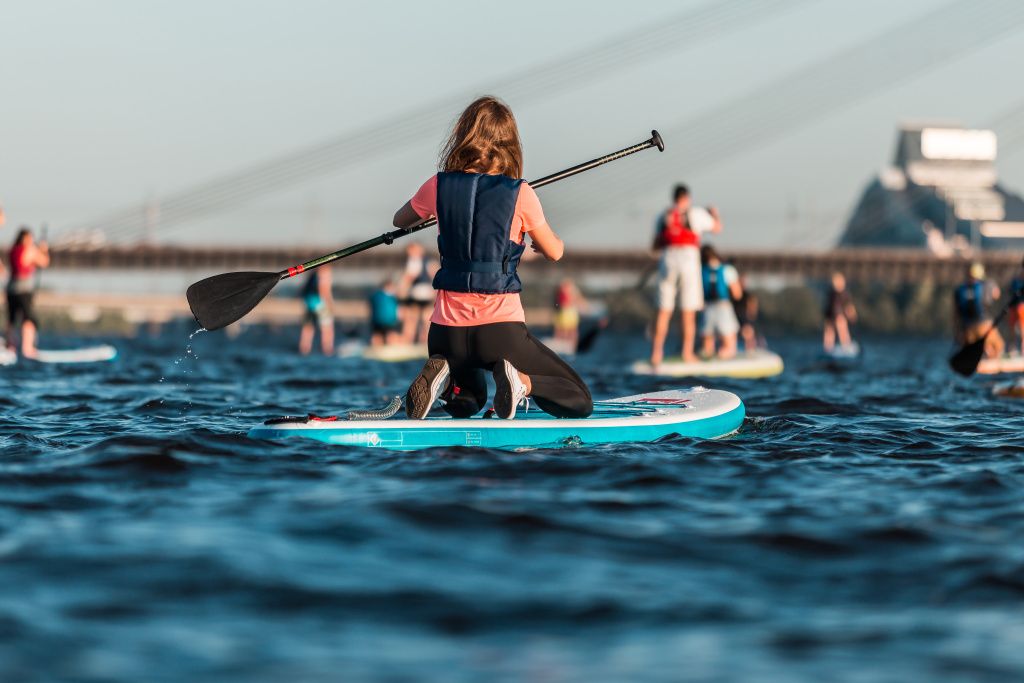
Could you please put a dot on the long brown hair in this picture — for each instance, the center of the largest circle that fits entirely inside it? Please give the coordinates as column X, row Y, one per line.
column 485, row 139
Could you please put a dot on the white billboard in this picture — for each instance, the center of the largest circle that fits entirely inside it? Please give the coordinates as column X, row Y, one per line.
column 958, row 144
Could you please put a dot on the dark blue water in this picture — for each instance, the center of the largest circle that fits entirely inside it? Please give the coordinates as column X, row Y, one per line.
column 864, row 526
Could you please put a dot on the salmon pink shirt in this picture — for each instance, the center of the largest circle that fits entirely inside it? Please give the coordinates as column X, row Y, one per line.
column 463, row 309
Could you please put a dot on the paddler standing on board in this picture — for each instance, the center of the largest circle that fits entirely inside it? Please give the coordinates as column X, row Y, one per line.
column 677, row 236
column 25, row 257
column 417, row 293
column 568, row 303
column 838, row 314
column 721, row 284
column 970, row 311
column 316, row 295
column 1016, row 316
column 485, row 211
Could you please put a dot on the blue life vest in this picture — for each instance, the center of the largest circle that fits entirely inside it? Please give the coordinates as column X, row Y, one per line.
column 383, row 308
column 311, row 292
column 715, row 286
column 474, row 215
column 970, row 301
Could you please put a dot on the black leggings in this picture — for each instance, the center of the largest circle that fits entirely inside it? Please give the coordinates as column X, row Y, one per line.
column 19, row 309
column 557, row 389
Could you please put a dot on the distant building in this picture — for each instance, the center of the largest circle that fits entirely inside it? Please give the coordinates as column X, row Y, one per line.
column 940, row 194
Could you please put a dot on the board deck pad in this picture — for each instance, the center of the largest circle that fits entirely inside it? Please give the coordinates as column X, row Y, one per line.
column 753, row 365
column 696, row 413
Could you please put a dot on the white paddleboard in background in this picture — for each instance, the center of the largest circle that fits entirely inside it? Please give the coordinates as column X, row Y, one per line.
column 753, row 365
column 996, row 366
column 849, row 351
column 563, row 347
column 388, row 353
column 92, row 354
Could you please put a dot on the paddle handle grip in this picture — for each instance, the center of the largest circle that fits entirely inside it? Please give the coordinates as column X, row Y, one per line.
column 389, row 237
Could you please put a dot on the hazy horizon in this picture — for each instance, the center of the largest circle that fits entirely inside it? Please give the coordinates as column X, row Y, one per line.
column 111, row 104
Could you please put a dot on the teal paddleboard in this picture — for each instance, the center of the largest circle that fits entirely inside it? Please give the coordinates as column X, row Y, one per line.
column 695, row 413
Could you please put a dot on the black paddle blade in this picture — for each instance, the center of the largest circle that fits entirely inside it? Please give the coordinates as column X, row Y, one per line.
column 586, row 342
column 966, row 360
column 220, row 300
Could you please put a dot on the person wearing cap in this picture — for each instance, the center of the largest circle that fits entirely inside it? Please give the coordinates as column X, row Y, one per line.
column 971, row 301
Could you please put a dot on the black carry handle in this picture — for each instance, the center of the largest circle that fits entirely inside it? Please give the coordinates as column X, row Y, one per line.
column 220, row 300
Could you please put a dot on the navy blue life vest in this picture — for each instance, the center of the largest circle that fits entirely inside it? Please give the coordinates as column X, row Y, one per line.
column 970, row 301
column 1016, row 285
column 474, row 215
column 715, row 286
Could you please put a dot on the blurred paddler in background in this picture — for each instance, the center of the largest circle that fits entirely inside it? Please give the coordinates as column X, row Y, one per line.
column 971, row 318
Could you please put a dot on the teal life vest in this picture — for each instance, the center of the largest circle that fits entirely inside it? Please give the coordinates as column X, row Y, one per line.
column 715, row 286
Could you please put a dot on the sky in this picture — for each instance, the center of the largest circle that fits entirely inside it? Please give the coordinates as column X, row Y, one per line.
column 112, row 103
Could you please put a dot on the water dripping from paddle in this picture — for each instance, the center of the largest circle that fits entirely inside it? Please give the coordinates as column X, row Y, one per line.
column 183, row 361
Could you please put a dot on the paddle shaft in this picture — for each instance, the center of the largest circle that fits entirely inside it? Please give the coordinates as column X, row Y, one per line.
column 389, row 237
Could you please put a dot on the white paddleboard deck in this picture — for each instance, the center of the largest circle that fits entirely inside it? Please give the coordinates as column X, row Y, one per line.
column 695, row 413
column 388, row 353
column 753, row 365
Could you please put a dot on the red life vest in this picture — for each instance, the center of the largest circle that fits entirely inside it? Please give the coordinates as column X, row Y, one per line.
column 20, row 270
column 677, row 232
column 563, row 296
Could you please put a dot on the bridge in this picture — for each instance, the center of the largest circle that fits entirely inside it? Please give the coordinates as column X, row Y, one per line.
column 891, row 266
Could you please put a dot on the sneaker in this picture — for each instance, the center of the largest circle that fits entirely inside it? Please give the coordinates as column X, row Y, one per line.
column 509, row 390
column 427, row 388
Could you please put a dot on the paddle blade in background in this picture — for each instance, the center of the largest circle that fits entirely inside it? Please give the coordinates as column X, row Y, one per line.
column 220, row 300
column 966, row 360
column 586, row 341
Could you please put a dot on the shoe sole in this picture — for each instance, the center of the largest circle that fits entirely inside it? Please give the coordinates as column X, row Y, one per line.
column 504, row 407
column 423, row 391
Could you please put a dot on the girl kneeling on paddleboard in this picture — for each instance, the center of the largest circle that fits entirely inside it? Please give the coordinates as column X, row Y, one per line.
column 484, row 211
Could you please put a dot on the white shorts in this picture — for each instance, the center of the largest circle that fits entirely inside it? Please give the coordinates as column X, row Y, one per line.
column 719, row 319
column 679, row 275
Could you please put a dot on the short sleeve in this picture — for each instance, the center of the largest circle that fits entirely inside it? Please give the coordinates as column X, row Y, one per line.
column 424, row 202
column 530, row 209
column 700, row 220
column 731, row 275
